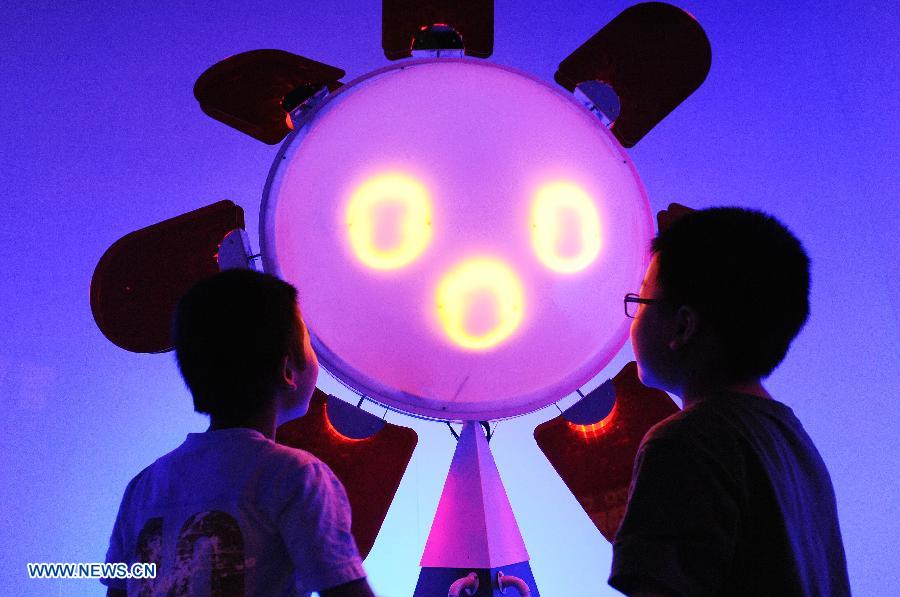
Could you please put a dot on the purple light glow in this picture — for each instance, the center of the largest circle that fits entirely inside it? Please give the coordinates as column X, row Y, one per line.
column 100, row 135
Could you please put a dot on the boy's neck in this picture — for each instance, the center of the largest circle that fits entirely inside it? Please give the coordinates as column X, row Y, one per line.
column 753, row 388
column 263, row 422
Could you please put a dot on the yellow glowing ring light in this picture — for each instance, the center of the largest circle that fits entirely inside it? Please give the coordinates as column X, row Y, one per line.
column 461, row 235
column 551, row 202
column 460, row 288
column 415, row 229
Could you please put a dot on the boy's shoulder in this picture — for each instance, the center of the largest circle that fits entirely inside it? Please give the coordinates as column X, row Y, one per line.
column 231, row 455
column 237, row 444
column 288, row 454
column 681, row 426
column 724, row 422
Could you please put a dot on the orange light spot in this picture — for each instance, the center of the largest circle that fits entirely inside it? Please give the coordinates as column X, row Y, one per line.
column 598, row 428
column 331, row 429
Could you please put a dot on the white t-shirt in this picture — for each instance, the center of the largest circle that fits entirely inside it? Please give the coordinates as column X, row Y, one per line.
column 231, row 513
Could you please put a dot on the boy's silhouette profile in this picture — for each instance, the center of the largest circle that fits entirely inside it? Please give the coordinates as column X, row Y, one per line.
column 230, row 512
column 729, row 496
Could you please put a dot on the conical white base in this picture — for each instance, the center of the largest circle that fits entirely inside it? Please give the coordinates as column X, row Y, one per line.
column 474, row 526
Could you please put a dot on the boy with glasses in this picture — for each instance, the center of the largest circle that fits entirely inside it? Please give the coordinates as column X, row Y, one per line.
column 729, row 496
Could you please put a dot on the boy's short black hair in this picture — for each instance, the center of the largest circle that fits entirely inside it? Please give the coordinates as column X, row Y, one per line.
column 231, row 333
column 746, row 275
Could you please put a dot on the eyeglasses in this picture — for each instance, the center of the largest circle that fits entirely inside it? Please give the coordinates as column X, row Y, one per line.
column 632, row 301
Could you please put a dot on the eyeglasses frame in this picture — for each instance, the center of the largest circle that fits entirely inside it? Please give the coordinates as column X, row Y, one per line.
column 631, row 297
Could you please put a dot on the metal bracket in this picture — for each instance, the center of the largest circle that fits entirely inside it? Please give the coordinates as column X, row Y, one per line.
column 234, row 251
column 312, row 97
column 438, row 41
column 600, row 98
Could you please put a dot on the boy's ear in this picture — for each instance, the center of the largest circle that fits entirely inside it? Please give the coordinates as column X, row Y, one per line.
column 288, row 373
column 686, row 321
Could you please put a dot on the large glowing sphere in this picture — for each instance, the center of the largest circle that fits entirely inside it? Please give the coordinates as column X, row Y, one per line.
column 461, row 235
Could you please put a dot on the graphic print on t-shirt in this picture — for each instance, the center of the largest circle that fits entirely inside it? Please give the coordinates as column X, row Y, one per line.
column 210, row 549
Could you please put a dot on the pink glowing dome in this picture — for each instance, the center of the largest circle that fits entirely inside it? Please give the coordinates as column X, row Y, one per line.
column 461, row 235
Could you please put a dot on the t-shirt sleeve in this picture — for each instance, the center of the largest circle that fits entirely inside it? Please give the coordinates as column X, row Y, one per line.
column 315, row 526
column 116, row 550
column 679, row 528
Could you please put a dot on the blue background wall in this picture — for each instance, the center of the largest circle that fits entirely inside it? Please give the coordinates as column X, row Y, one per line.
column 100, row 135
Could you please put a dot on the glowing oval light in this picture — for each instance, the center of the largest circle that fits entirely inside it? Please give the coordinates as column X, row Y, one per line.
column 362, row 224
column 457, row 294
column 550, row 204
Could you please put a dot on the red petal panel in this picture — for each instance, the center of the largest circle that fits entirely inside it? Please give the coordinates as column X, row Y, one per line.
column 370, row 468
column 595, row 461
column 140, row 278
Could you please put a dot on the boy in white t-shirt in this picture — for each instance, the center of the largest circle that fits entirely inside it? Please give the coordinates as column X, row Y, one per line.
column 230, row 512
